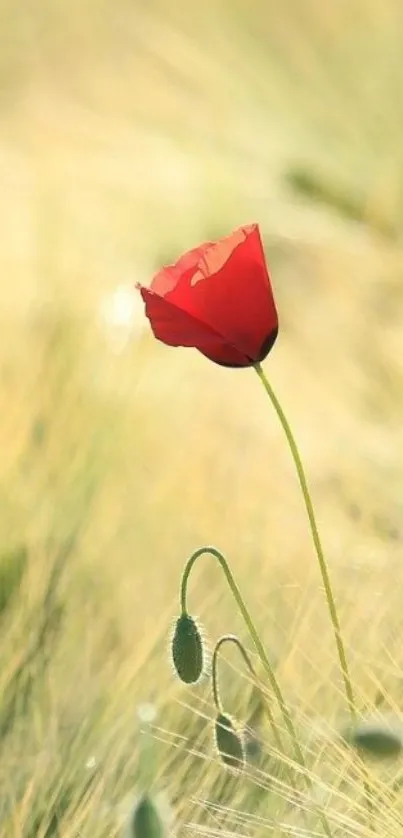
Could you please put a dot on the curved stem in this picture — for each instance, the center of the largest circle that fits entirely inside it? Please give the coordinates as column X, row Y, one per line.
column 316, row 539
column 227, row 638
column 322, row 563
column 252, row 630
column 212, row 551
column 232, row 638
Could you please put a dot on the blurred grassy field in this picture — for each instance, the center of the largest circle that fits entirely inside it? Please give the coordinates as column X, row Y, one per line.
column 129, row 133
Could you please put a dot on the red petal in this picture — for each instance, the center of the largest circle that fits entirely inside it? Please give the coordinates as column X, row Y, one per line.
column 176, row 327
column 168, row 278
column 217, row 298
column 230, row 291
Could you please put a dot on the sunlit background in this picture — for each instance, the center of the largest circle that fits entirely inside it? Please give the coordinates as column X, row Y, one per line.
column 131, row 131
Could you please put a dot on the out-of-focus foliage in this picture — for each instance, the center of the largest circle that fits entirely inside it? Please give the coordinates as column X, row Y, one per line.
column 129, row 132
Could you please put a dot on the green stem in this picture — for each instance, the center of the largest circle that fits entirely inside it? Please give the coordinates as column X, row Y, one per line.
column 232, row 638
column 212, row 551
column 322, row 564
column 252, row 631
column 316, row 539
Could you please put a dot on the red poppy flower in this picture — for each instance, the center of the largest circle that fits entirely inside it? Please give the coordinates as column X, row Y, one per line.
column 218, row 299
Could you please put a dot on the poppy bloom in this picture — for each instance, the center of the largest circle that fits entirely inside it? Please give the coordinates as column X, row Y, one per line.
column 218, row 299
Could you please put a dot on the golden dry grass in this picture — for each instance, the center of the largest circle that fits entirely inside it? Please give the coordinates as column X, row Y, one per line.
column 128, row 134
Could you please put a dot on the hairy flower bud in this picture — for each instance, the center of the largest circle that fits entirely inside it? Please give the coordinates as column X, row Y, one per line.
column 187, row 650
column 229, row 742
column 145, row 820
column 376, row 739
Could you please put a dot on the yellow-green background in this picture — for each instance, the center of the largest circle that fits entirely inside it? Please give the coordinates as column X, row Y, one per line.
column 130, row 131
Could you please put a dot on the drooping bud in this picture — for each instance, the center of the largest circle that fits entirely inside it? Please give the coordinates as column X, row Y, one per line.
column 145, row 820
column 376, row 739
column 229, row 742
column 187, row 650
column 151, row 815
